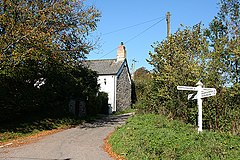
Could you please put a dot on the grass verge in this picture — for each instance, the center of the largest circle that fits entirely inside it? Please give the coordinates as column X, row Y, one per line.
column 16, row 130
column 155, row 137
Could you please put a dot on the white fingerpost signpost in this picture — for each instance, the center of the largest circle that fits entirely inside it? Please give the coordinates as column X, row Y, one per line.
column 201, row 93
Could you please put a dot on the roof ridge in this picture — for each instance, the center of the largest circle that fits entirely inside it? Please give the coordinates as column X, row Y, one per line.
column 101, row 60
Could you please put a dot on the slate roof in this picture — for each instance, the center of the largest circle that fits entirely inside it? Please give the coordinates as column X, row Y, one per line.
column 104, row 67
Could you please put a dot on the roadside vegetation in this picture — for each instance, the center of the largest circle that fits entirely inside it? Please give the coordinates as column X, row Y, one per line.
column 42, row 45
column 32, row 126
column 209, row 54
column 153, row 136
column 165, row 127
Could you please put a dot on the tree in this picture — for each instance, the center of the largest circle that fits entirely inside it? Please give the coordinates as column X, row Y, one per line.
column 223, row 67
column 224, row 36
column 195, row 53
column 44, row 30
column 179, row 60
column 44, row 41
column 142, row 78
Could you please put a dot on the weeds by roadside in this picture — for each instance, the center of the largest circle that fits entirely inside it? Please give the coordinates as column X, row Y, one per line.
column 155, row 137
column 16, row 130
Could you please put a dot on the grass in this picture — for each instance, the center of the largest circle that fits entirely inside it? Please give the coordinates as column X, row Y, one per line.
column 155, row 137
column 15, row 130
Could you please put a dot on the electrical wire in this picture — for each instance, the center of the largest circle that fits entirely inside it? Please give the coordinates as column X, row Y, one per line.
column 134, row 37
column 144, row 31
column 131, row 26
column 109, row 52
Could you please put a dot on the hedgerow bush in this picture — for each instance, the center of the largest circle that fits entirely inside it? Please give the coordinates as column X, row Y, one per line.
column 210, row 55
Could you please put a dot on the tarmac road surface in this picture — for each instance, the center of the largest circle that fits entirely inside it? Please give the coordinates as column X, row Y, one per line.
column 84, row 142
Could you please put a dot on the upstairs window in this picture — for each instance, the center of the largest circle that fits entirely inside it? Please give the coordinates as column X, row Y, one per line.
column 105, row 81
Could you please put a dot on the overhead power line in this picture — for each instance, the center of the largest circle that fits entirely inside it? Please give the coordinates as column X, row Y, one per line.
column 144, row 31
column 131, row 26
column 134, row 37
column 109, row 52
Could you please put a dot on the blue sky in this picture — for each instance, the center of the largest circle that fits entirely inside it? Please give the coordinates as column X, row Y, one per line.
column 119, row 14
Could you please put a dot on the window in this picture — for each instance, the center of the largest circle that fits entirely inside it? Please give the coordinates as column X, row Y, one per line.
column 105, row 81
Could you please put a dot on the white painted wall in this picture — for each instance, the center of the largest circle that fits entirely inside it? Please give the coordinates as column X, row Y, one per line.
column 108, row 85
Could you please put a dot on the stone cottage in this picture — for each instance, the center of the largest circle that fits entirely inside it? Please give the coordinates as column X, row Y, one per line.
column 114, row 79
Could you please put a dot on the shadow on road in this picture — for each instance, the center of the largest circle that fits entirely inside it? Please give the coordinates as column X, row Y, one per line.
column 104, row 121
column 107, row 121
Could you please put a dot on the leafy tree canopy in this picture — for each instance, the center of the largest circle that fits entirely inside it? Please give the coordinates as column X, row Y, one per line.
column 223, row 33
column 196, row 53
column 41, row 45
column 44, row 30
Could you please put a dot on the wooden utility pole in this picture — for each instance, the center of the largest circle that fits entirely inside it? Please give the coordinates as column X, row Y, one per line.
column 168, row 23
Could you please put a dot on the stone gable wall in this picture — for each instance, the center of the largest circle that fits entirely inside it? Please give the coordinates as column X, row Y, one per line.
column 123, row 95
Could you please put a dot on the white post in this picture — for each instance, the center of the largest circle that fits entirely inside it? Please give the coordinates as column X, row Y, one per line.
column 201, row 93
column 199, row 102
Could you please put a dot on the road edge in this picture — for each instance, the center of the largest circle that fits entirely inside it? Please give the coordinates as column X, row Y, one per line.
column 108, row 148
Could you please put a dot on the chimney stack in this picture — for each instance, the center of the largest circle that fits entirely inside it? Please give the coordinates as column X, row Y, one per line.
column 121, row 52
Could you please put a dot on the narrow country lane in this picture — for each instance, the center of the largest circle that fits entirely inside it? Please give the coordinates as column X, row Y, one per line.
column 84, row 142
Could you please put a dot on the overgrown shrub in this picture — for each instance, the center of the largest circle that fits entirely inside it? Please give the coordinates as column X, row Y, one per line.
column 192, row 54
column 20, row 97
column 40, row 56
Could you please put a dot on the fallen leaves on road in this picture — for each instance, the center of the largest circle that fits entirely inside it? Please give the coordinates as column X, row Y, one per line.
column 108, row 148
column 29, row 139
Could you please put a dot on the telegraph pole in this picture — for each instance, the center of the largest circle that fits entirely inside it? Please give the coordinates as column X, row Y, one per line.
column 168, row 23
